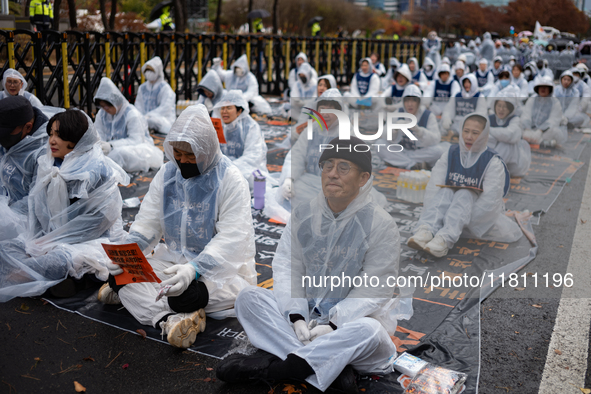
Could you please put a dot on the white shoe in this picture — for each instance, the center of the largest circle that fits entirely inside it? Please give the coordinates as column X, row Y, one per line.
column 437, row 247
column 420, row 239
column 106, row 295
column 586, row 130
column 182, row 329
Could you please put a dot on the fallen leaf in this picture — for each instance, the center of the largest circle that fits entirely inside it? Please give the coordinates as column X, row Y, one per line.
column 291, row 389
column 537, row 305
column 88, row 359
column 207, row 380
column 141, row 332
column 37, row 359
column 209, row 369
column 583, row 222
column 79, row 388
column 585, row 391
column 125, row 366
column 24, row 307
column 519, row 288
column 557, row 352
column 516, row 332
column 566, row 367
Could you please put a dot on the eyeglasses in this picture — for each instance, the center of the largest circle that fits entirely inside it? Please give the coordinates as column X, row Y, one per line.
column 13, row 83
column 343, row 167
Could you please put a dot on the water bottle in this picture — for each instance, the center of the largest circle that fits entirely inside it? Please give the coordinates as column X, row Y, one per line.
column 259, row 190
column 399, row 186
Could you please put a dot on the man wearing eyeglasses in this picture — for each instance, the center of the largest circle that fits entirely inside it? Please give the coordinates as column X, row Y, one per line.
column 310, row 327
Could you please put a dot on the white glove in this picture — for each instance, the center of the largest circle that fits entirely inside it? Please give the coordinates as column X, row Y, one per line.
column 417, row 131
column 185, row 273
column 319, row 331
column 106, row 147
column 446, row 123
column 114, row 269
column 217, row 61
column 301, row 330
column 287, row 190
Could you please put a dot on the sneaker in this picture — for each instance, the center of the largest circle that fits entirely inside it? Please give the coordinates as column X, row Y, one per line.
column 437, row 247
column 106, row 295
column 182, row 328
column 420, row 239
column 239, row 368
column 586, row 130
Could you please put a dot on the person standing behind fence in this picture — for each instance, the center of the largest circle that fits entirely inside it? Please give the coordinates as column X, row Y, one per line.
column 14, row 84
column 41, row 14
column 123, row 131
column 166, row 19
column 155, row 98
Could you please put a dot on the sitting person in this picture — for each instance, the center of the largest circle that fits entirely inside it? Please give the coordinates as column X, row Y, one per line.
column 210, row 90
column 463, row 103
column 418, row 78
column 300, row 59
column 485, row 77
column 542, row 115
column 124, row 131
column 459, row 71
column 299, row 181
column 74, row 206
column 155, row 98
column 377, row 67
column 245, row 144
column 388, row 79
column 428, row 70
column 497, row 67
column 465, row 192
column 365, row 83
column 426, row 150
column 503, row 82
column 402, row 78
column 506, row 132
column 518, row 79
column 200, row 204
column 570, row 101
column 239, row 77
column 14, row 84
column 441, row 90
column 305, row 86
column 323, row 335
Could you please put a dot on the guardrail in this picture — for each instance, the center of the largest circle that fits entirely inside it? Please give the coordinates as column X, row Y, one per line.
column 64, row 68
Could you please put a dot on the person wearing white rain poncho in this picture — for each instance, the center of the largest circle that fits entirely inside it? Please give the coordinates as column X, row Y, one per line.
column 74, row 206
column 155, row 98
column 441, row 89
column 468, row 100
column 388, row 80
column 321, row 333
column 432, row 47
column 325, row 82
column 402, row 79
column 305, row 88
column 239, row 77
column 417, row 76
column 14, row 84
column 485, row 77
column 245, row 144
column 465, row 193
column 365, row 83
column 200, row 204
column 299, row 181
column 210, row 90
column 300, row 59
column 570, row 100
column 506, row 132
column 125, row 137
column 542, row 115
column 426, row 150
column 429, row 70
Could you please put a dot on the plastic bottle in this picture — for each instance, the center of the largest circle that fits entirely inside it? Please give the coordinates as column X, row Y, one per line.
column 399, row 186
column 259, row 190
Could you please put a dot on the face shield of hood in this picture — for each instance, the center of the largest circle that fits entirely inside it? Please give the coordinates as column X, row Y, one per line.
column 107, row 91
column 154, row 64
column 307, row 71
column 194, row 127
column 331, row 80
column 12, row 73
column 470, row 156
column 241, row 62
column 416, row 62
column 302, row 56
column 212, row 82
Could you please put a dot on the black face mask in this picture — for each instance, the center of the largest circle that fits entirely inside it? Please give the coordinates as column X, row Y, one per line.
column 10, row 140
column 188, row 170
column 304, row 79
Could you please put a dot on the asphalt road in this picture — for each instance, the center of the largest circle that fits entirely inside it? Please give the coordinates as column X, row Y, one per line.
column 44, row 349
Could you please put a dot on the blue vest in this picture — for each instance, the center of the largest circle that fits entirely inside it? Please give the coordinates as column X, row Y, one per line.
column 442, row 91
column 406, row 142
column 395, row 92
column 430, row 78
column 492, row 119
column 363, row 83
column 234, row 146
column 465, row 106
column 189, row 208
column 417, row 77
column 458, row 175
column 496, row 72
column 482, row 80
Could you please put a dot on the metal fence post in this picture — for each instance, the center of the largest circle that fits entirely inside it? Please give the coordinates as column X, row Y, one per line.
column 87, row 56
column 108, row 56
column 10, row 49
column 225, row 52
column 143, row 56
column 354, row 57
column 317, row 54
column 248, row 51
column 329, row 58
column 342, row 57
column 287, row 58
column 38, row 53
column 172, row 63
column 187, row 76
column 269, row 62
column 66, row 82
column 363, row 49
column 199, row 60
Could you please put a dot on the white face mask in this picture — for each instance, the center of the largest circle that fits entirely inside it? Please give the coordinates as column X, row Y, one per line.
column 238, row 71
column 151, row 75
column 512, row 63
column 576, row 78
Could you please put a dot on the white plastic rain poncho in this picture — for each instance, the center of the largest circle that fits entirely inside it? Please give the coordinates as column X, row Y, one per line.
column 496, row 70
column 205, row 221
column 388, row 79
column 478, row 214
column 570, row 101
column 432, row 48
column 487, row 48
column 362, row 240
column 395, row 91
column 247, row 83
column 245, row 144
column 126, row 131
column 379, row 69
column 427, row 147
column 544, row 114
column 417, row 75
column 429, row 74
column 464, row 103
column 440, row 92
column 486, row 79
column 293, row 73
column 73, row 208
column 212, row 82
column 155, row 98
column 301, row 162
column 452, row 53
column 505, row 136
column 304, row 89
column 12, row 73
column 522, row 84
column 364, row 84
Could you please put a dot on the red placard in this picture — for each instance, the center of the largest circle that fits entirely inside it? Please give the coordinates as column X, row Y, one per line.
column 130, row 258
column 217, row 123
